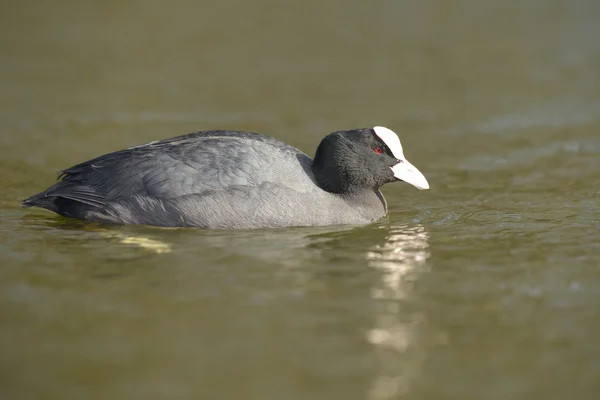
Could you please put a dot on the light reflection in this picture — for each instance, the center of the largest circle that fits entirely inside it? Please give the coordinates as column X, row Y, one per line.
column 403, row 255
column 143, row 242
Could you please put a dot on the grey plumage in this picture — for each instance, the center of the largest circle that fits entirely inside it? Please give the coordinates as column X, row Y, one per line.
column 227, row 180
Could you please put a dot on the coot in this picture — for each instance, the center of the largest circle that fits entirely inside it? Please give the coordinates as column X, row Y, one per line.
column 235, row 180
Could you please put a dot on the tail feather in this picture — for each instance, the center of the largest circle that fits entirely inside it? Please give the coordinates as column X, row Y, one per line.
column 30, row 201
column 40, row 200
column 63, row 193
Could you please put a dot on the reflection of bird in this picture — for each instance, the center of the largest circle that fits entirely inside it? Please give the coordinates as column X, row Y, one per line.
column 395, row 332
column 232, row 179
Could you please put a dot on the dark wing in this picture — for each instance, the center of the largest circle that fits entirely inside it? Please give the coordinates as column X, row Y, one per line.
column 189, row 164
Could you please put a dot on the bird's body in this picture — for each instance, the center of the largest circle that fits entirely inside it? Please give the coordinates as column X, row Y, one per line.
column 218, row 180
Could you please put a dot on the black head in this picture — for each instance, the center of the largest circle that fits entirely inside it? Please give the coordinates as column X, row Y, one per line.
column 359, row 159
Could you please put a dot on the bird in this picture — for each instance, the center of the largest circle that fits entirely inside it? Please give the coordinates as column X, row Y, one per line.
column 230, row 179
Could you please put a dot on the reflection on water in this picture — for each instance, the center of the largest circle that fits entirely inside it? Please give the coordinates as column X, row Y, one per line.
column 152, row 245
column 402, row 255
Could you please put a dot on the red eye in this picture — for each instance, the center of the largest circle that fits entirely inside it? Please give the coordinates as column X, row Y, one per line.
column 378, row 150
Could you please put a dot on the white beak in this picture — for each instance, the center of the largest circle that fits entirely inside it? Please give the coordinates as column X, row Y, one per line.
column 404, row 170
column 408, row 173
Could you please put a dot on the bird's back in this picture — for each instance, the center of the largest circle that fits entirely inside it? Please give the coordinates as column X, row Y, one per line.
column 168, row 176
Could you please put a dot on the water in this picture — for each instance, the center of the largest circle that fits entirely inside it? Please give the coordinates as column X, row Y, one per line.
column 487, row 286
